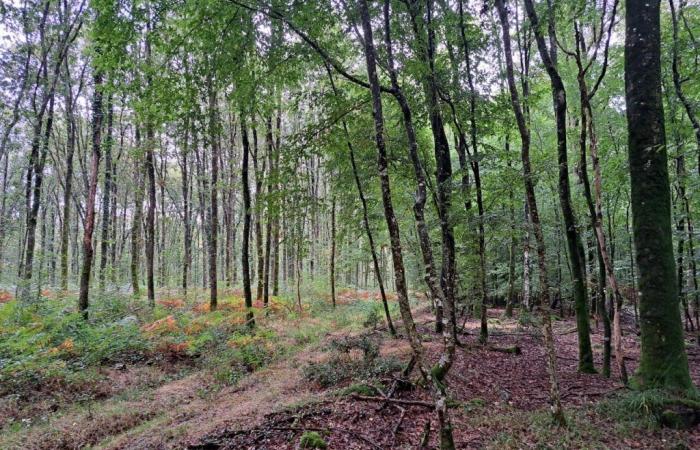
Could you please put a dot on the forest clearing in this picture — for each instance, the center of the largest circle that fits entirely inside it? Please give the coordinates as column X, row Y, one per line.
column 349, row 224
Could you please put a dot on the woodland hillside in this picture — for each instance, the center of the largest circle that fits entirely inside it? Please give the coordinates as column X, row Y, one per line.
column 354, row 224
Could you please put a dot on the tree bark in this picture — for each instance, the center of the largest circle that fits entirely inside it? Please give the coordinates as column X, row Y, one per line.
column 106, row 192
column 663, row 361
column 97, row 114
column 245, row 257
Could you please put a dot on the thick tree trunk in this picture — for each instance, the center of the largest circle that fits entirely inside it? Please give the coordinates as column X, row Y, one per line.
column 663, row 361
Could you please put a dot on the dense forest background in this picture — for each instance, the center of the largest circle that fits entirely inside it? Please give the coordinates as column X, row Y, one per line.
column 447, row 162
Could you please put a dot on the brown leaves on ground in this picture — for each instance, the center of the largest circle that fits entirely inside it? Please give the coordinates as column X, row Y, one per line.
column 5, row 296
column 495, row 397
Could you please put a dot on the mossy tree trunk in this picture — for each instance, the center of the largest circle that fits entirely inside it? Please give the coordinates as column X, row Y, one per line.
column 663, row 361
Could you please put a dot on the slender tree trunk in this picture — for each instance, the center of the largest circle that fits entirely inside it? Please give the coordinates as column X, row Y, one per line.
column 677, row 82
column 35, row 179
column 151, row 175
column 3, row 207
column 572, row 237
column 269, row 142
column 245, row 257
column 214, row 208
column 332, row 261
column 106, row 192
column 136, row 241
column 543, row 303
column 382, row 166
column 150, row 214
column 184, row 167
column 365, row 219
column 92, row 193
column 68, row 186
column 259, row 213
column 439, row 371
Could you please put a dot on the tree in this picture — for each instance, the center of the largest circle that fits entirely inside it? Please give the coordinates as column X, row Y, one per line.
column 663, row 362
column 543, row 302
column 97, row 115
column 573, row 240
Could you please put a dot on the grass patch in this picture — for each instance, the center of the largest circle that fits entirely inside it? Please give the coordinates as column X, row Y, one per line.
column 312, row 439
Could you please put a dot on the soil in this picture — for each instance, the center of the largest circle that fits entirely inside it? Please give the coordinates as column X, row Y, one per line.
column 496, row 396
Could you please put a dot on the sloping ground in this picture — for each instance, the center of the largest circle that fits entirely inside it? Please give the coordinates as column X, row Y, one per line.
column 501, row 402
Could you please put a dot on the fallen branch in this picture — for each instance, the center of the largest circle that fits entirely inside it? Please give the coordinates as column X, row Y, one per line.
column 398, row 425
column 515, row 349
column 394, row 400
column 569, row 331
column 425, row 436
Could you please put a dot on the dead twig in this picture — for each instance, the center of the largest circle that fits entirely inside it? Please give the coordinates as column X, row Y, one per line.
column 397, row 426
column 425, row 436
column 394, row 400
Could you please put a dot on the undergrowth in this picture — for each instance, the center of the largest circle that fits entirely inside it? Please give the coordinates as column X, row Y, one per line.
column 52, row 361
column 352, row 358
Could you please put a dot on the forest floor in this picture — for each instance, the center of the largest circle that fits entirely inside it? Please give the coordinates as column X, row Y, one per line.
column 322, row 371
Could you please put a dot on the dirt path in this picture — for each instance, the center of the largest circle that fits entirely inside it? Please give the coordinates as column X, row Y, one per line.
column 497, row 398
column 188, row 412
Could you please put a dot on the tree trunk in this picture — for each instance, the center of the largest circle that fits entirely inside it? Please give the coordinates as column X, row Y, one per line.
column 92, row 192
column 572, row 237
column 663, row 361
column 543, row 303
column 184, row 167
column 68, row 186
column 332, row 261
column 269, row 142
column 365, row 219
column 677, row 82
column 106, row 192
column 245, row 257
column 214, row 207
column 136, row 241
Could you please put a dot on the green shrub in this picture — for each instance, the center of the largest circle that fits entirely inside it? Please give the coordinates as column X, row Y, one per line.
column 359, row 389
column 342, row 366
column 312, row 439
column 372, row 319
